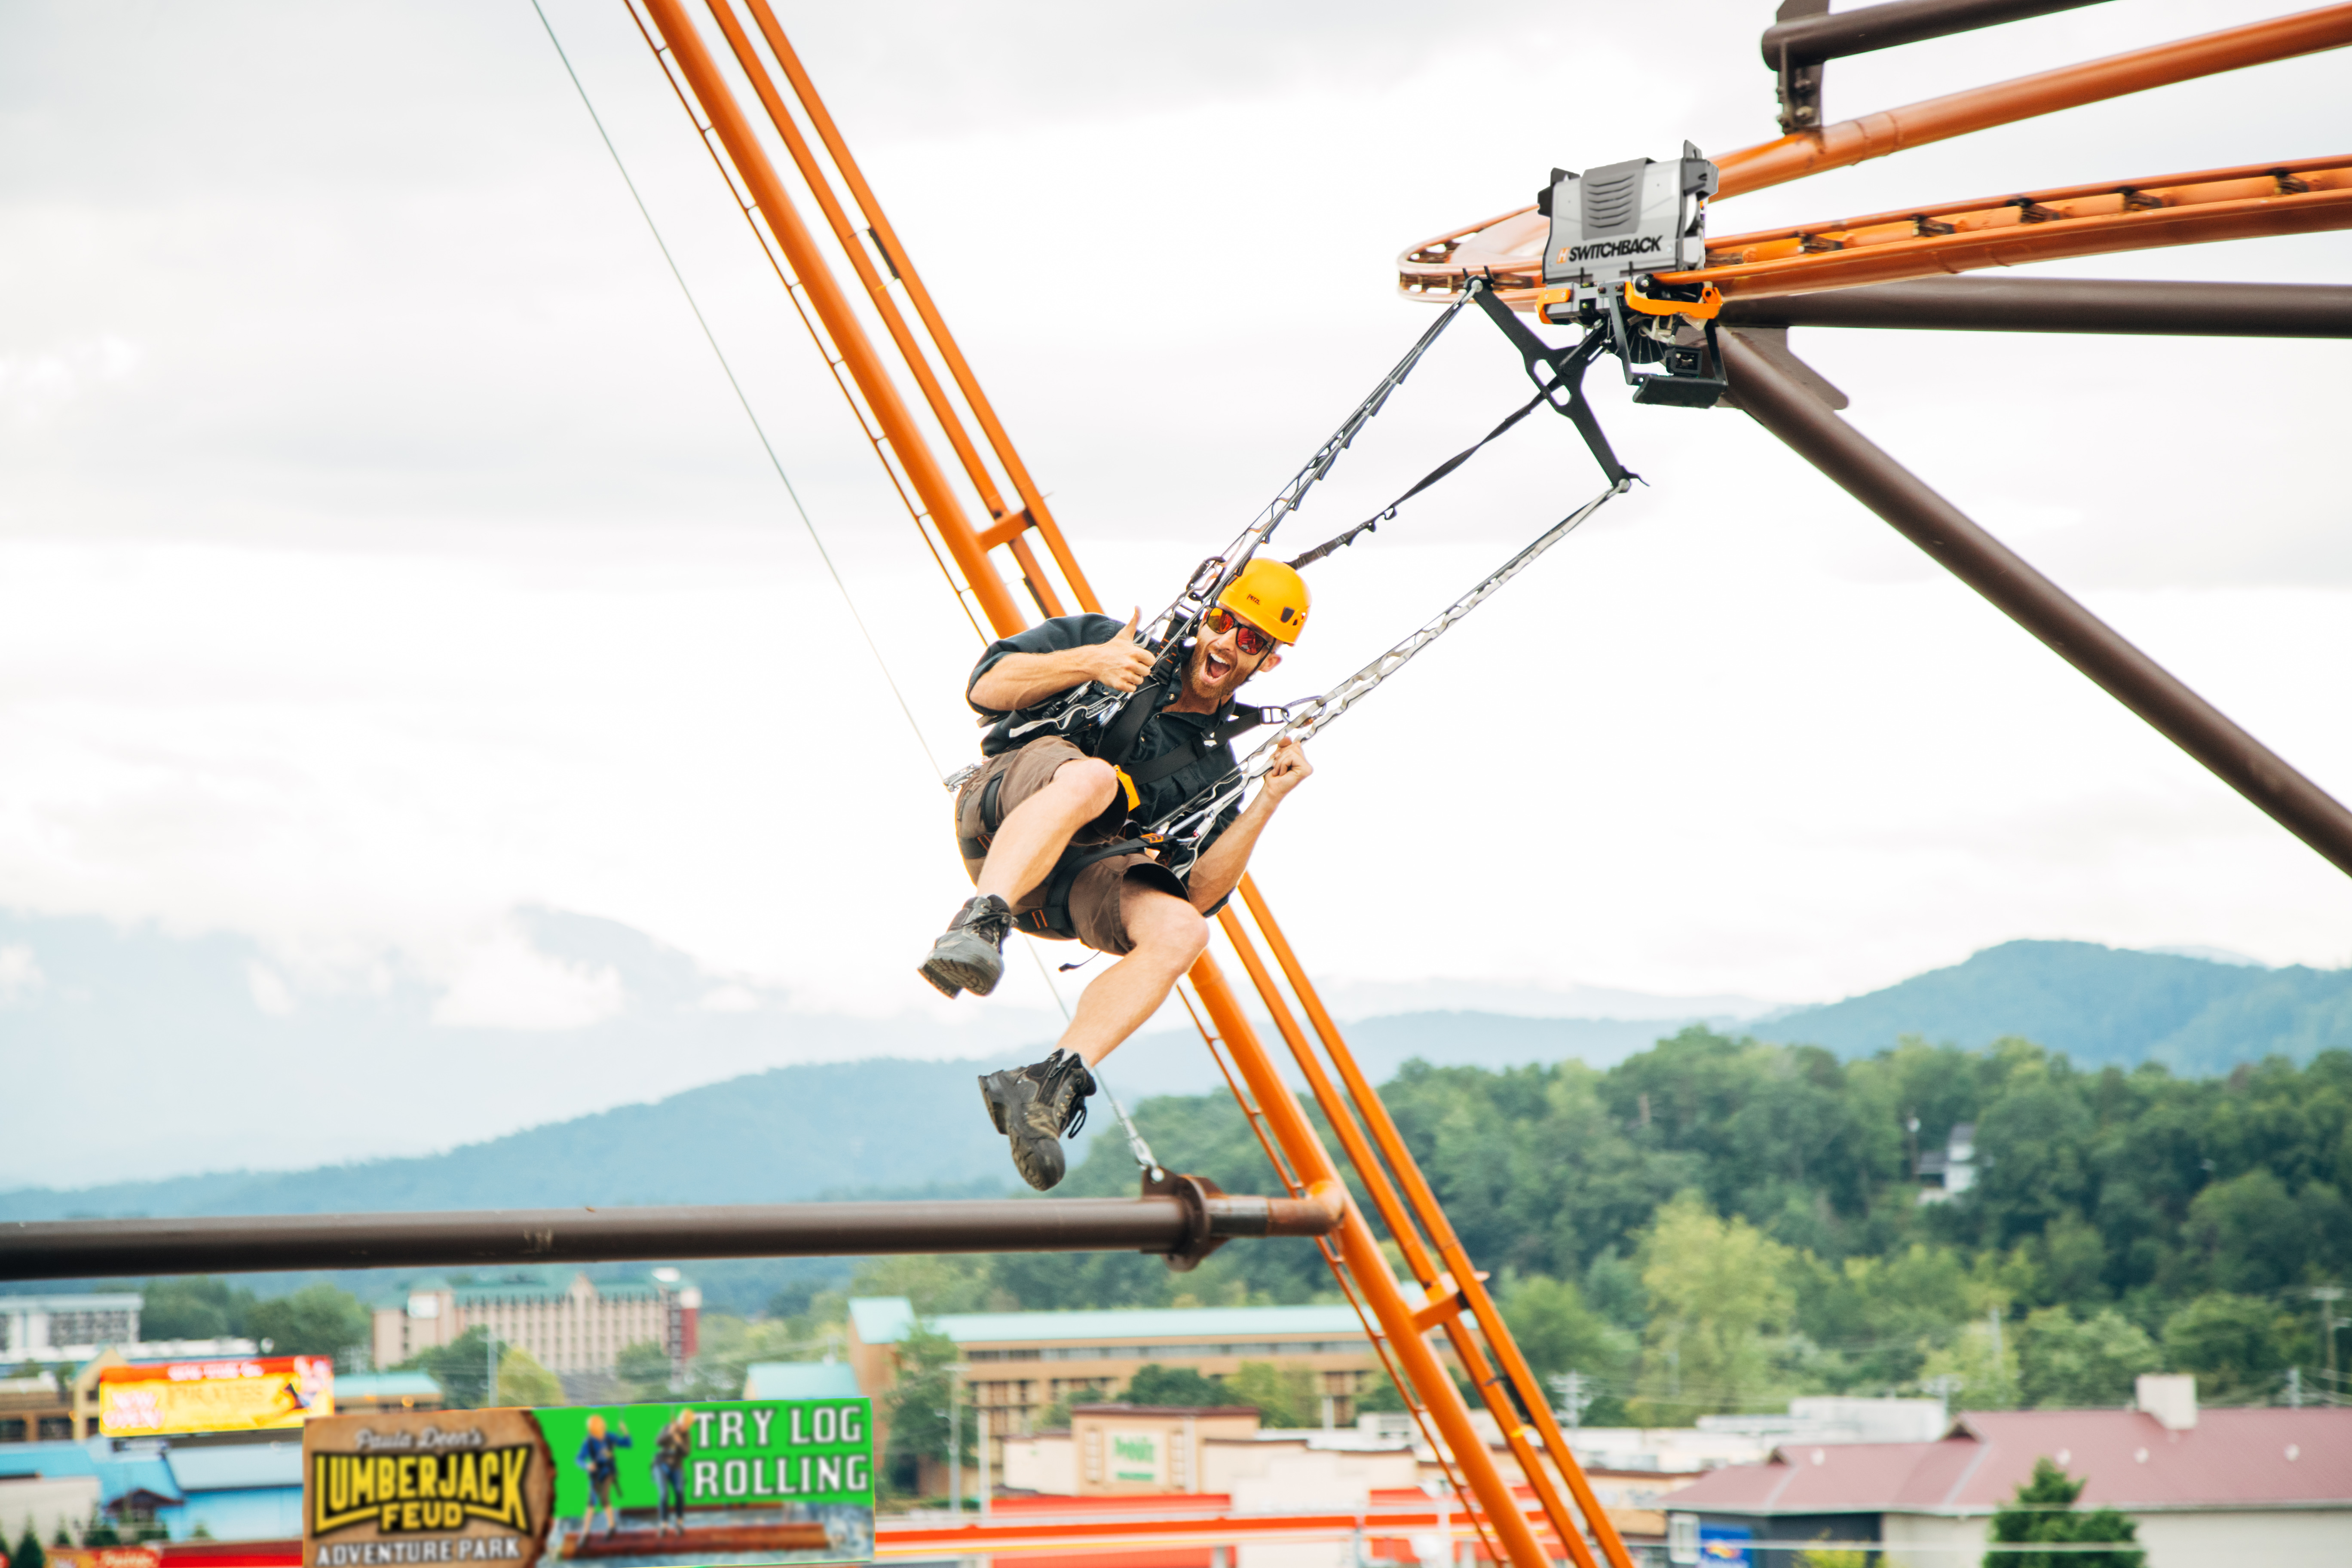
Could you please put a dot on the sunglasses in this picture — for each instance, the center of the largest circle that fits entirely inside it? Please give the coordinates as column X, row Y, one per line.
column 1246, row 638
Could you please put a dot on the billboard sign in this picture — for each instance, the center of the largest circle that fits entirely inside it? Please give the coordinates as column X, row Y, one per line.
column 628, row 1486
column 240, row 1394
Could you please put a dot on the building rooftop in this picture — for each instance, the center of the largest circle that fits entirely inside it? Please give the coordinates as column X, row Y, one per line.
column 887, row 1319
column 232, row 1467
column 140, row 1470
column 2231, row 1458
column 800, row 1380
column 385, row 1386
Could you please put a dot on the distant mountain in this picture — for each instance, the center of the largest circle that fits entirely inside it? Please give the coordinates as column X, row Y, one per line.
column 2099, row 1005
column 788, row 1135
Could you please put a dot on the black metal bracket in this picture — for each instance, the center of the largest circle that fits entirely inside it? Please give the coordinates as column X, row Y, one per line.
column 1558, row 373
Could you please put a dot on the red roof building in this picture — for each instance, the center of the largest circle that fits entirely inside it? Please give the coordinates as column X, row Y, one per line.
column 2211, row 1487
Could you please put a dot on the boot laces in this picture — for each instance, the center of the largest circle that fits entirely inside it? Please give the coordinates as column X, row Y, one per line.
column 988, row 917
column 1066, row 1071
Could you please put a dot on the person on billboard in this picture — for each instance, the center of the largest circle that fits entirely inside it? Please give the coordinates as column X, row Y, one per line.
column 599, row 1456
column 1040, row 824
column 671, row 1449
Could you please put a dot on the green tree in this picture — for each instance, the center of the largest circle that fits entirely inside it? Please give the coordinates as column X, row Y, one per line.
column 522, row 1381
column 2043, row 1514
column 1716, row 1289
column 2064, row 1361
column 1558, row 1334
column 1980, row 1379
column 1285, row 1396
column 461, row 1367
column 193, row 1307
column 1157, row 1385
column 944, row 1283
column 729, row 1344
column 28, row 1553
column 918, row 1406
column 2250, row 1234
column 317, row 1319
column 645, row 1368
column 2237, row 1346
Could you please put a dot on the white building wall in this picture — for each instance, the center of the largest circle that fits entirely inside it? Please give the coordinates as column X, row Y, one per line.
column 45, row 1503
column 2201, row 1538
column 1048, row 1465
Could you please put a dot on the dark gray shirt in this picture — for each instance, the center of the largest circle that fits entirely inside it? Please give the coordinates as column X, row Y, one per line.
column 1162, row 734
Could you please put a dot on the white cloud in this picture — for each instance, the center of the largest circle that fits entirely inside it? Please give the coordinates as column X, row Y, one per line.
column 268, row 988
column 504, row 983
column 388, row 575
column 20, row 975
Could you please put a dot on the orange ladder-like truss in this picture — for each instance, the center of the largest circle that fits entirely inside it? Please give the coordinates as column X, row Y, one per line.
column 1451, row 1294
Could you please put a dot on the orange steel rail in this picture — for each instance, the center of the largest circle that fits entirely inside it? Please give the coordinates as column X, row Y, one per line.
column 1511, row 244
column 1141, row 1531
column 2029, row 96
column 1399, row 1323
column 2301, row 197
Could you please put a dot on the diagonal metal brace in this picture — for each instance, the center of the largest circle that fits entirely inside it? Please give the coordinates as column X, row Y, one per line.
column 1558, row 373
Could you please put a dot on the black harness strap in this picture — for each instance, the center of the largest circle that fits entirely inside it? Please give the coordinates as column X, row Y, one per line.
column 1240, row 721
column 990, row 821
column 1389, row 511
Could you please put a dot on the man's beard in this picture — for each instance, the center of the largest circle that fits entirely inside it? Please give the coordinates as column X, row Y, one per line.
column 1199, row 684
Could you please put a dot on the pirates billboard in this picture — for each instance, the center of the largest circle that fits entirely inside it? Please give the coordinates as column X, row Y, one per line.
column 630, row 1486
column 235, row 1394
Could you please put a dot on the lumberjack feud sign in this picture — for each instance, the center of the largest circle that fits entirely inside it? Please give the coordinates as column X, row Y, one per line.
column 629, row 1486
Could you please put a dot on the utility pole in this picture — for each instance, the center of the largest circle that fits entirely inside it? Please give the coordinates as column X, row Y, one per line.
column 2327, row 1296
column 1568, row 1387
column 955, row 1442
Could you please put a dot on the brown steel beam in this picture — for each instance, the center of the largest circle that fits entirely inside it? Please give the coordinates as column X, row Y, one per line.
column 2026, row 98
column 1171, row 1224
column 1784, row 407
column 2066, row 305
column 1835, row 35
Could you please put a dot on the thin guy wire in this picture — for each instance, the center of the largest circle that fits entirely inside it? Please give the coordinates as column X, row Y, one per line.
column 720, row 355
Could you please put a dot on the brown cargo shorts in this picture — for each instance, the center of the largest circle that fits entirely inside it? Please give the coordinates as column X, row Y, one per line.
column 1098, row 893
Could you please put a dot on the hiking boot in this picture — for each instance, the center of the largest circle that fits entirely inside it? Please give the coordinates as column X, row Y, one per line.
column 1033, row 1107
column 970, row 955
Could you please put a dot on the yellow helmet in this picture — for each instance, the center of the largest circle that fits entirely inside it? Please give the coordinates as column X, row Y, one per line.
column 1271, row 596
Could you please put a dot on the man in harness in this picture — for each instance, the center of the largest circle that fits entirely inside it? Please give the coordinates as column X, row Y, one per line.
column 1040, row 827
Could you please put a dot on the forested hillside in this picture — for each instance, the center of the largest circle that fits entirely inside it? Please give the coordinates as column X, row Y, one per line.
column 2098, row 1004
column 1717, row 1224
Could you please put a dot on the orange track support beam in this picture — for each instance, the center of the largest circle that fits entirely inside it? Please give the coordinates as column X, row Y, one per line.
column 2028, row 96
column 1459, row 1274
column 1033, row 512
column 1369, row 1267
column 1356, row 1247
column 833, row 308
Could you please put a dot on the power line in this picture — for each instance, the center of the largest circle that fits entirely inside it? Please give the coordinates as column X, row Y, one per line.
column 759, row 429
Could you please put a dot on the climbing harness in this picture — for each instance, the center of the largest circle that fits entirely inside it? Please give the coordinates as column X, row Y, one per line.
column 1183, row 831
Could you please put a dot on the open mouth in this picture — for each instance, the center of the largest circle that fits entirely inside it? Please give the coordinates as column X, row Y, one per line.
column 1216, row 669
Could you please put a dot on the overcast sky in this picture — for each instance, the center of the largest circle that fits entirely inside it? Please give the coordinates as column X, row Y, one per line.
column 381, row 548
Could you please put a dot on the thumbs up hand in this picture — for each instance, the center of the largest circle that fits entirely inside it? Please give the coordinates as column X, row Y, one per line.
column 1121, row 663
